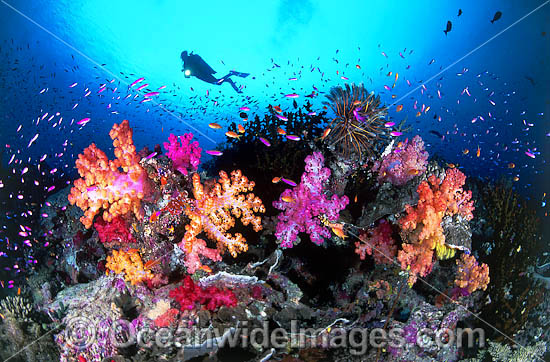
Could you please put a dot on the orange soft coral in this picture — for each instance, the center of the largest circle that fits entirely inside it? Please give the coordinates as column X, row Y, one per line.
column 422, row 224
column 471, row 276
column 130, row 264
column 104, row 185
column 214, row 212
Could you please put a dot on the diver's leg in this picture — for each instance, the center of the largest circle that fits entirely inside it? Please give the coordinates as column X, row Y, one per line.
column 239, row 74
column 230, row 81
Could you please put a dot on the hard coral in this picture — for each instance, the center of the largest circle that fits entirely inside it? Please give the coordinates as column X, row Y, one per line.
column 403, row 163
column 213, row 211
column 212, row 298
column 377, row 242
column 304, row 204
column 422, row 224
column 471, row 275
column 130, row 264
column 104, row 185
column 186, row 155
column 114, row 231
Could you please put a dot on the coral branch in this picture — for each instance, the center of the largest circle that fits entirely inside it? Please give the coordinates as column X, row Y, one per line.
column 185, row 155
column 104, row 185
column 471, row 275
column 130, row 264
column 304, row 204
column 214, row 212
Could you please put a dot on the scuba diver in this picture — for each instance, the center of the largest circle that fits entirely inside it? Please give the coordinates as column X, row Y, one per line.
column 194, row 65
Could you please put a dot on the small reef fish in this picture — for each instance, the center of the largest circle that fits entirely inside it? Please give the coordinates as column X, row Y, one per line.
column 137, row 81
column 246, row 109
column 214, row 152
column 396, row 133
column 214, row 126
column 338, row 229
column 232, row 134
column 399, row 108
column 265, row 142
column 497, row 16
column 325, row 134
column 83, row 121
column 448, row 28
column 287, row 199
column 293, row 137
column 291, row 95
column 389, row 124
column 276, row 180
column 240, row 128
column 282, row 118
column 281, row 131
column 288, row 182
column 277, row 109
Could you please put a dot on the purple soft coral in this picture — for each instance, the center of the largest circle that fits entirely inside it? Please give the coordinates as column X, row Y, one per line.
column 185, row 156
column 308, row 202
column 403, row 163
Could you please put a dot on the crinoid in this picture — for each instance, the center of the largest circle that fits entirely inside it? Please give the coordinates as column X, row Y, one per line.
column 359, row 120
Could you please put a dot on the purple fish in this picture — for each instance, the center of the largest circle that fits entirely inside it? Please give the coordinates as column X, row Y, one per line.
column 282, row 118
column 530, row 154
column 151, row 94
column 288, row 182
column 265, row 142
column 396, row 133
column 136, row 82
column 246, row 109
column 293, row 137
column 389, row 124
column 214, row 152
column 357, row 116
column 83, row 121
column 151, row 156
column 292, row 95
column 142, row 86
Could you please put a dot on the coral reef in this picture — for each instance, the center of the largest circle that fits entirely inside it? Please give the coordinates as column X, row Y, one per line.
column 114, row 231
column 422, row 224
column 185, row 155
column 212, row 298
column 471, row 276
column 403, row 163
column 103, row 185
column 377, row 242
column 306, row 203
column 212, row 212
column 128, row 263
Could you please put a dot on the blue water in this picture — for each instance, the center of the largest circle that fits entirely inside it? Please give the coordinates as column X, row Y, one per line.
column 53, row 44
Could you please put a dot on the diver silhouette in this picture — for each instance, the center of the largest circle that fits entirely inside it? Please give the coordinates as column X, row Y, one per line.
column 194, row 65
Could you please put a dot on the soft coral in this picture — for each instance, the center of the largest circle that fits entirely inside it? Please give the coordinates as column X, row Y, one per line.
column 212, row 297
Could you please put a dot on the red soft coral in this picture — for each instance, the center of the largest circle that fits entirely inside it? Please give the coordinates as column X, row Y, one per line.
column 115, row 231
column 380, row 239
column 212, row 298
column 167, row 318
column 422, row 224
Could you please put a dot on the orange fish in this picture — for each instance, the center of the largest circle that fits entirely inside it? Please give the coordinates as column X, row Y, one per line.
column 281, row 131
column 163, row 181
column 214, row 126
column 357, row 66
column 287, row 199
column 240, row 128
column 418, row 114
column 478, row 151
column 232, row 134
column 276, row 180
column 151, row 263
column 355, row 199
column 516, row 178
column 154, row 217
column 278, row 109
column 511, row 165
column 451, row 165
column 206, row 268
column 356, row 103
column 427, row 109
column 19, row 291
column 396, row 76
column 393, row 96
column 413, row 172
column 338, row 229
column 465, row 151
column 325, row 133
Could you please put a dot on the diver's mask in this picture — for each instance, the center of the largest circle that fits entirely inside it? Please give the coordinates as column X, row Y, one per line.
column 187, row 73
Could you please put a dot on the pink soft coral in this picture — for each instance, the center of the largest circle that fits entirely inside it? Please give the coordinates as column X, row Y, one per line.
column 186, row 155
column 403, row 163
column 308, row 203
column 166, row 319
column 212, row 298
column 377, row 242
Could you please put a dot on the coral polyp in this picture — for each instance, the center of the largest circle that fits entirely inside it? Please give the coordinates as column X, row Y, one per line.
column 359, row 120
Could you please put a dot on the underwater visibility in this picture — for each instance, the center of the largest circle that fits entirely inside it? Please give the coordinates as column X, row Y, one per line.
column 286, row 180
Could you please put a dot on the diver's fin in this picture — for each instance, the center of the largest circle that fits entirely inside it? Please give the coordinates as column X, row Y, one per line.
column 239, row 74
